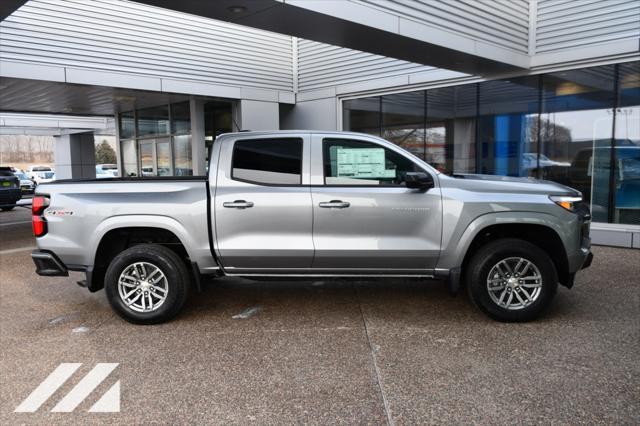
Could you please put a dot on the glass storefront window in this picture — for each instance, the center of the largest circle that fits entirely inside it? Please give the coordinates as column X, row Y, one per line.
column 147, row 163
column 180, row 118
column 217, row 120
column 451, row 127
column 403, row 121
column 182, row 155
column 153, row 121
column 557, row 126
column 163, row 157
column 162, row 145
column 627, row 151
column 127, row 125
column 576, row 127
column 129, row 158
column 508, row 112
column 362, row 115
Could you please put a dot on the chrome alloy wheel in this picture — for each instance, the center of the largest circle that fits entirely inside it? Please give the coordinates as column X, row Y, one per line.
column 143, row 287
column 514, row 283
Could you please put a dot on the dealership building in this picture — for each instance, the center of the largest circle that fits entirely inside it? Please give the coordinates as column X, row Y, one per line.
column 532, row 88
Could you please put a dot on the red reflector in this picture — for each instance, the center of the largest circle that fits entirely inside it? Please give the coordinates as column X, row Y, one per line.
column 38, row 204
column 39, row 225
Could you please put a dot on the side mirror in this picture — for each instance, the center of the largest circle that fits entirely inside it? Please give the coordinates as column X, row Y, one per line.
column 419, row 180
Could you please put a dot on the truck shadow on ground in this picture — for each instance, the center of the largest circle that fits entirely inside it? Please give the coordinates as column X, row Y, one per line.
column 388, row 300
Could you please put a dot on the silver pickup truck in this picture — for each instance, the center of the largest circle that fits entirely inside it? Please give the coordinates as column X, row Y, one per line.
column 313, row 204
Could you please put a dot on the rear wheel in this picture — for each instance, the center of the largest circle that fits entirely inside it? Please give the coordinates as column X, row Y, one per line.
column 147, row 284
column 511, row 280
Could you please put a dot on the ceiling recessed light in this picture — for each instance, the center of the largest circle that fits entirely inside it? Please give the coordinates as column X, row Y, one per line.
column 124, row 98
column 237, row 9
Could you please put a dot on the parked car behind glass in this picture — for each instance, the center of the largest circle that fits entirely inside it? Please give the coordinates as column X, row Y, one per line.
column 106, row 170
column 591, row 169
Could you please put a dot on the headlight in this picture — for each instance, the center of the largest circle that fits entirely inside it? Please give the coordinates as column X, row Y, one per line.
column 566, row 202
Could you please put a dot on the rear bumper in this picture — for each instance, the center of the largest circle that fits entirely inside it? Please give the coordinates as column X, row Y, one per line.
column 10, row 196
column 48, row 264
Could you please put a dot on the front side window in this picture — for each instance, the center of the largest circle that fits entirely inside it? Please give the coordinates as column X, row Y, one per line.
column 356, row 163
column 268, row 161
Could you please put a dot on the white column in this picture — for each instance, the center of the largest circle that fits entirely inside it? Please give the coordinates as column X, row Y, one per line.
column 198, row 146
column 118, row 147
column 75, row 156
column 318, row 114
column 259, row 115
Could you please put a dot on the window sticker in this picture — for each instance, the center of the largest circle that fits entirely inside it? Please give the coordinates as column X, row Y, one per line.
column 362, row 163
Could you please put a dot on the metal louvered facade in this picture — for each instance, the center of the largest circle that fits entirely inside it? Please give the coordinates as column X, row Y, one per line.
column 568, row 24
column 189, row 53
column 504, row 23
column 322, row 65
column 126, row 37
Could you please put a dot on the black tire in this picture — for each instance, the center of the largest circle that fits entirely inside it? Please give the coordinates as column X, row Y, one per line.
column 6, row 209
column 177, row 282
column 484, row 260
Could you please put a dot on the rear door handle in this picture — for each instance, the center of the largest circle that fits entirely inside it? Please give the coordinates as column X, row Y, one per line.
column 334, row 204
column 238, row 204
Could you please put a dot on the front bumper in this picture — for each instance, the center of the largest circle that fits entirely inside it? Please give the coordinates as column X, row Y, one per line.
column 587, row 261
column 48, row 264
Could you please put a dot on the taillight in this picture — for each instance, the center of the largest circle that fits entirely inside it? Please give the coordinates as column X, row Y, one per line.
column 38, row 204
column 39, row 226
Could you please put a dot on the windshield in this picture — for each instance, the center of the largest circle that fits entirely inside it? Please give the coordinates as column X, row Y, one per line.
column 21, row 176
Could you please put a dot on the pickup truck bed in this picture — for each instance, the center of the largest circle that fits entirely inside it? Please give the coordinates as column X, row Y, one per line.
column 112, row 208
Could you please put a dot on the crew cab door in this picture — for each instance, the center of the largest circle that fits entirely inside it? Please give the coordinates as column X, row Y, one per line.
column 262, row 202
column 365, row 218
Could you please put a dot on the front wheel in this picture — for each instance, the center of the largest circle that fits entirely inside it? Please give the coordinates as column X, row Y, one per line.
column 511, row 280
column 147, row 284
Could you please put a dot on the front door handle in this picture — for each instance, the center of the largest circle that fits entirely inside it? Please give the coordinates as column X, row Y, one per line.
column 238, row 204
column 334, row 204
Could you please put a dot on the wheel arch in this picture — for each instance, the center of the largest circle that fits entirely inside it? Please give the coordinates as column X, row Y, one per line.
column 116, row 234
column 540, row 235
column 539, row 229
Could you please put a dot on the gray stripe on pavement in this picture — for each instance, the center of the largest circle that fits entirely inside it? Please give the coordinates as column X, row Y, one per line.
column 23, row 222
column 17, row 250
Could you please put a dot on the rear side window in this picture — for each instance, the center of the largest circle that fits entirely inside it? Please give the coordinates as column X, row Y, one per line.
column 268, row 161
